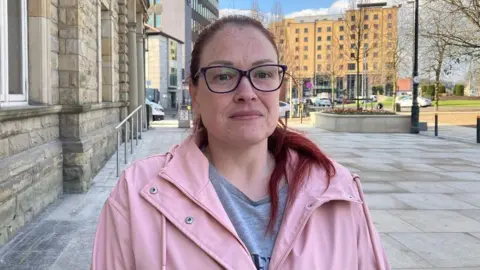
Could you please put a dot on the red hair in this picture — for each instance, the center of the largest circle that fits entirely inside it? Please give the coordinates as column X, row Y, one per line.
column 282, row 140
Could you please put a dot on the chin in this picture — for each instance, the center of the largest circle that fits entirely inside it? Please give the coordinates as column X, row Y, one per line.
column 249, row 136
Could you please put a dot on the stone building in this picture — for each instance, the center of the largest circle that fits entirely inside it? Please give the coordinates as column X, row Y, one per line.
column 70, row 70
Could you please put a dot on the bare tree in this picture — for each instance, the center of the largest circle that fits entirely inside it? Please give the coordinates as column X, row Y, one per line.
column 439, row 51
column 357, row 31
column 255, row 11
column 283, row 39
column 465, row 14
column 400, row 54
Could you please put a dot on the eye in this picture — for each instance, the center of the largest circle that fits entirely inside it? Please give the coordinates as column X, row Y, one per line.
column 261, row 74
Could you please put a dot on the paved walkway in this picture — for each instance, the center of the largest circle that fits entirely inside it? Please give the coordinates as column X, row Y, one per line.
column 424, row 195
column 453, row 133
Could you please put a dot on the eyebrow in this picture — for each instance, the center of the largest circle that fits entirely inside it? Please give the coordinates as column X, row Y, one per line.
column 230, row 63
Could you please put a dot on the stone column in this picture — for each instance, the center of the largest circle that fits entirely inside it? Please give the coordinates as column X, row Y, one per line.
column 132, row 57
column 141, row 63
column 39, row 51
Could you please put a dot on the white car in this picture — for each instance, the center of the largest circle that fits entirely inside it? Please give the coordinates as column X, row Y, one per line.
column 157, row 110
column 422, row 102
column 284, row 107
column 322, row 102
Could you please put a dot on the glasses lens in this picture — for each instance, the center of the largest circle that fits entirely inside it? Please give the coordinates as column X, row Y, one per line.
column 267, row 78
column 222, row 79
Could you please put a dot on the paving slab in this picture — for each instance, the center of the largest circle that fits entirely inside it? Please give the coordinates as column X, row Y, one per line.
column 443, row 249
column 438, row 220
column 423, row 194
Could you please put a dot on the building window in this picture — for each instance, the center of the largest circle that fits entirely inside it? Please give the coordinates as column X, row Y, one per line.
column 297, row 30
column 305, row 68
column 329, row 38
column 305, row 30
column 319, row 56
column 173, row 50
column 341, row 37
column 319, row 47
column 342, row 28
column 365, row 17
column 13, row 52
column 375, row 17
column 305, row 39
column 341, row 46
column 173, row 79
column 329, row 29
column 319, row 38
column 319, row 30
column 297, row 39
column 351, row 66
column 305, row 48
column 305, row 57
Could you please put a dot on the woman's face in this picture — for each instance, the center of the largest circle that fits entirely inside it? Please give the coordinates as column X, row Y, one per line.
column 244, row 116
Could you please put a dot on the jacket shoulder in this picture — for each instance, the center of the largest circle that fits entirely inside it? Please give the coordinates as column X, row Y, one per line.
column 136, row 176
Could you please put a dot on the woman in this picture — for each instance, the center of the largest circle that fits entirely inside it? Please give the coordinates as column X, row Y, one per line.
column 242, row 192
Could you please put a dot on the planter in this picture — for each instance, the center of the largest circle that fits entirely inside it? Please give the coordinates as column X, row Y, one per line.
column 361, row 123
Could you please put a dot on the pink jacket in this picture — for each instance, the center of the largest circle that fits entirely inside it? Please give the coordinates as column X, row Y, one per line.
column 165, row 214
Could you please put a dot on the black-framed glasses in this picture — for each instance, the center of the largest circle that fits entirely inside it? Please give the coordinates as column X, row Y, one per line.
column 225, row 79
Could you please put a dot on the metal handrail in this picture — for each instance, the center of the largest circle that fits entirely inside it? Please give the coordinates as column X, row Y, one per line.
column 127, row 123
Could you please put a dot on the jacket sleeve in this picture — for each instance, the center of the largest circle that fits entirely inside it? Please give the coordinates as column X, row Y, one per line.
column 371, row 254
column 112, row 247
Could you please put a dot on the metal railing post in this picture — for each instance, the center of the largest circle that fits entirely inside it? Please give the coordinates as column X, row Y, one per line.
column 118, row 150
column 436, row 124
column 131, row 138
column 128, row 125
column 478, row 128
column 138, row 132
column 126, row 141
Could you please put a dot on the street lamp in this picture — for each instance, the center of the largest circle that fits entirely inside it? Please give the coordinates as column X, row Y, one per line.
column 415, row 112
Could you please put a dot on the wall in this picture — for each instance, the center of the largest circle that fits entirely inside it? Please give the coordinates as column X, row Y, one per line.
column 173, row 19
column 30, row 170
column 62, row 139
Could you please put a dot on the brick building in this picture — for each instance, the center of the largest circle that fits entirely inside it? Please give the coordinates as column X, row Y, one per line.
column 70, row 71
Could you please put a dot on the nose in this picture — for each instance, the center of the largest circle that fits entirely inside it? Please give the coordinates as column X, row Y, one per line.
column 245, row 91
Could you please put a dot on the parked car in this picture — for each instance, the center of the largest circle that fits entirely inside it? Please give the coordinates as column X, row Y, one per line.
column 284, row 107
column 422, row 102
column 157, row 110
column 323, row 102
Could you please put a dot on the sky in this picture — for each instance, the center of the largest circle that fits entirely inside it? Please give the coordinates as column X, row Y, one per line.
column 290, row 8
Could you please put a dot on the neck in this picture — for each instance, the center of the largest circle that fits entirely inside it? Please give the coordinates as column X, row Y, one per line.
column 247, row 168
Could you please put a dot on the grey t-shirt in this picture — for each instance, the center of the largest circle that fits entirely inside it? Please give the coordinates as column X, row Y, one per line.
column 250, row 218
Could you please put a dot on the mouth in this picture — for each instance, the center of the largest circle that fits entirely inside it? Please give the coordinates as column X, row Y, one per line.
column 246, row 115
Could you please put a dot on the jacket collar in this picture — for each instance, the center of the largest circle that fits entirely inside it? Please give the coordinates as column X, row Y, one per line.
column 188, row 168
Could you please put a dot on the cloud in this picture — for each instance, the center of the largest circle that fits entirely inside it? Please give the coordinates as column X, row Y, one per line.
column 337, row 7
column 230, row 11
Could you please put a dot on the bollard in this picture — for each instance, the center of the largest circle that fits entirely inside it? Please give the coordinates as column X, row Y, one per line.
column 436, row 124
column 478, row 129
column 287, row 115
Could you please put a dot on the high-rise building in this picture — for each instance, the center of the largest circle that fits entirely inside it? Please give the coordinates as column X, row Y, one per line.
column 325, row 51
column 203, row 12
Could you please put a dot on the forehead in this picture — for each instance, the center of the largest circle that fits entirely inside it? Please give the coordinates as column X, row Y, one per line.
column 241, row 45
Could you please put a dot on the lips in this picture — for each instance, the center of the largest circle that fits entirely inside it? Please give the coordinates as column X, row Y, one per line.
column 245, row 115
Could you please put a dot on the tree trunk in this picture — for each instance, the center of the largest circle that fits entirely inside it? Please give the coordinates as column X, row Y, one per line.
column 357, row 81
column 394, row 94
column 332, row 82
